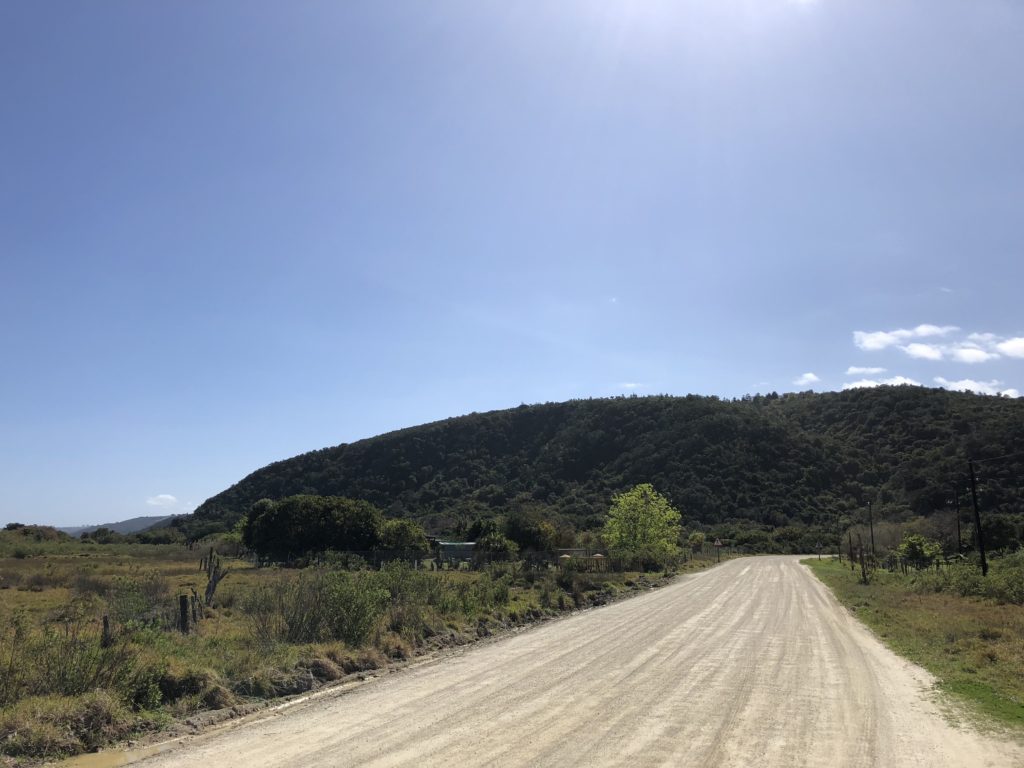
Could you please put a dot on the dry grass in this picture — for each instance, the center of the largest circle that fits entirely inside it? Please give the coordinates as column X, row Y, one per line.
column 60, row 592
column 975, row 647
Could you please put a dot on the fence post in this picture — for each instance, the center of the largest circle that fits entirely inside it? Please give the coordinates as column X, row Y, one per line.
column 183, row 614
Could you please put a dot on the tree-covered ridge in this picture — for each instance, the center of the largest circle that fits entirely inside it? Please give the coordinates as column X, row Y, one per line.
column 770, row 460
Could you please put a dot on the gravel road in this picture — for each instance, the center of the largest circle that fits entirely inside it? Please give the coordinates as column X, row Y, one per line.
column 752, row 663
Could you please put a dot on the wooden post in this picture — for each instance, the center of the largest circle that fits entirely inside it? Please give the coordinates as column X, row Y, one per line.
column 106, row 640
column 183, row 614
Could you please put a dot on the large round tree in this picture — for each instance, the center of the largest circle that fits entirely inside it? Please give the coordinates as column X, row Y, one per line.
column 642, row 526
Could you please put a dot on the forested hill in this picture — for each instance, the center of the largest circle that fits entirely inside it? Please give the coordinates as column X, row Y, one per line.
column 771, row 460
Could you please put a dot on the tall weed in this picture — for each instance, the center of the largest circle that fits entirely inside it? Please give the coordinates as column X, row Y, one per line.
column 315, row 607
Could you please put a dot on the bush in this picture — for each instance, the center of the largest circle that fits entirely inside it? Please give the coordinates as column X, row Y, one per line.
column 1004, row 583
column 354, row 607
column 919, row 551
column 315, row 607
column 85, row 583
column 143, row 599
column 1007, row 579
column 64, row 660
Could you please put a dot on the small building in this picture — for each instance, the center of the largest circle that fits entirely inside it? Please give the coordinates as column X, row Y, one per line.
column 455, row 551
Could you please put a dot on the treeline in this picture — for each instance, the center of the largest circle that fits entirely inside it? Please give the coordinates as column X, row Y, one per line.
column 302, row 524
column 39, row 534
column 753, row 465
column 298, row 527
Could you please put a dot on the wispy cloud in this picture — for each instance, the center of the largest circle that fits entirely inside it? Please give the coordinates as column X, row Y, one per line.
column 860, row 370
column 164, row 500
column 806, row 378
column 993, row 387
column 630, row 385
column 894, row 381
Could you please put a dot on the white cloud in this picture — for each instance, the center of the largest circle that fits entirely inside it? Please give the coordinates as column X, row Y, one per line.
column 971, row 355
column 875, row 340
column 859, row 370
column 895, row 381
column 1012, row 347
column 971, row 349
column 923, row 351
column 630, row 385
column 981, row 387
column 807, row 378
column 944, row 289
column 934, row 330
column 162, row 500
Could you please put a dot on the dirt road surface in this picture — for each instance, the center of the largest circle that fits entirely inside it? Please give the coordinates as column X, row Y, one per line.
column 752, row 663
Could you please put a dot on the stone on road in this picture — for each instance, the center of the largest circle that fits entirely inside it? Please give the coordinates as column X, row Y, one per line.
column 750, row 663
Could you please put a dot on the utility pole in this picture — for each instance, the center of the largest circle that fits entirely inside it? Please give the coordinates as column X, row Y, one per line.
column 871, row 525
column 839, row 533
column 956, row 503
column 977, row 520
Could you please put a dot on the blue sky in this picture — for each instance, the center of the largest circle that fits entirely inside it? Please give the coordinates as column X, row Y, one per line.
column 232, row 232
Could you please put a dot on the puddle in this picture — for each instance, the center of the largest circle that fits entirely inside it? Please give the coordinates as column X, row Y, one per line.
column 109, row 759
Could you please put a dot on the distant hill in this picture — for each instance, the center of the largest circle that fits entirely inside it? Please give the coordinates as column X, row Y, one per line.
column 765, row 461
column 134, row 525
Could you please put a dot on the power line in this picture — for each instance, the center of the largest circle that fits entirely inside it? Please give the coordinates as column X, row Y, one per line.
column 1000, row 458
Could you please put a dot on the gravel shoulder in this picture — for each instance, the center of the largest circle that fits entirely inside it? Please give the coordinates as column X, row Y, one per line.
column 750, row 663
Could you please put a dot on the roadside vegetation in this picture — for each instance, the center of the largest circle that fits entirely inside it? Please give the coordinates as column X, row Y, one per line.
column 966, row 629
column 92, row 647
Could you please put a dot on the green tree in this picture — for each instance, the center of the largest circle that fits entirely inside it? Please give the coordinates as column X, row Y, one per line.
column 919, row 551
column 528, row 526
column 404, row 535
column 497, row 544
column 696, row 541
column 297, row 525
column 642, row 526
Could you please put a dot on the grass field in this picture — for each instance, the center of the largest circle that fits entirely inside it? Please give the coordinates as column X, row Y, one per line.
column 974, row 646
column 270, row 632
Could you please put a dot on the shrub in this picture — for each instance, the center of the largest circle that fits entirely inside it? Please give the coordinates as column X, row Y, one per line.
column 315, row 607
column 85, row 583
column 919, row 551
column 1004, row 583
column 66, row 660
column 141, row 599
column 354, row 607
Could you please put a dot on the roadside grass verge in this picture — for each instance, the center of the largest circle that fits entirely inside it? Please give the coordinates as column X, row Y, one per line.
column 271, row 632
column 973, row 646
